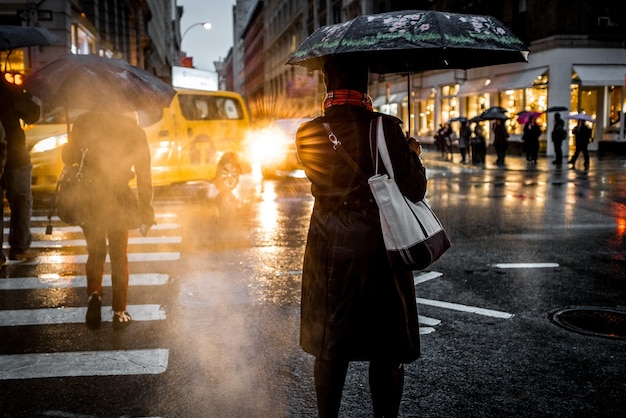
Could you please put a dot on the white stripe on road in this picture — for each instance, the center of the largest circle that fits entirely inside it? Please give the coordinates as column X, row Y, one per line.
column 525, row 265
column 465, row 308
column 82, row 258
column 83, row 363
column 81, row 242
column 424, row 277
column 56, row 281
column 425, row 320
column 158, row 215
column 42, row 230
column 426, row 330
column 53, row 316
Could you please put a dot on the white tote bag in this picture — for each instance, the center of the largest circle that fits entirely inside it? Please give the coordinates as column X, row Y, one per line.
column 414, row 236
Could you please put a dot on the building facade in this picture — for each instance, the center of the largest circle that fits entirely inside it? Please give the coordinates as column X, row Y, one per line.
column 142, row 32
column 577, row 60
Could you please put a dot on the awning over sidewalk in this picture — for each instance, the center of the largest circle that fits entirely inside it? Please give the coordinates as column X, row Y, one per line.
column 601, row 75
column 472, row 87
column 520, row 80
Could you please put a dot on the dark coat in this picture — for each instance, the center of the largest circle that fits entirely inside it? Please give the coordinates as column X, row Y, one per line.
column 117, row 150
column 353, row 305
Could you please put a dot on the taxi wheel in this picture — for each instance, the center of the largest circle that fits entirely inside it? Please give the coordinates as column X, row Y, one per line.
column 227, row 175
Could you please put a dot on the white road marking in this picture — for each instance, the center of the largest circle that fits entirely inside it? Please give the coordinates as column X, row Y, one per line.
column 81, row 242
column 56, row 281
column 426, row 330
column 64, row 228
column 424, row 277
column 465, row 308
column 158, row 215
column 425, row 320
column 525, row 265
column 82, row 258
column 24, row 317
column 83, row 363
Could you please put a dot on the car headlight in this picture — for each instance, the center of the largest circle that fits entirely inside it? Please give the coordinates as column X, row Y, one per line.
column 50, row 143
column 268, row 146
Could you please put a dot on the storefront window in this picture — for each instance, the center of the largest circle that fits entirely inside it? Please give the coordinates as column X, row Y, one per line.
column 425, row 111
column 449, row 102
column 617, row 102
column 475, row 105
column 83, row 42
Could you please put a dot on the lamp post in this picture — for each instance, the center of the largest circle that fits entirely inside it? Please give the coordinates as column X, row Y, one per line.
column 205, row 25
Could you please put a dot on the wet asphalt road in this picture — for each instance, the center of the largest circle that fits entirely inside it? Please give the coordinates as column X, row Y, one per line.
column 527, row 241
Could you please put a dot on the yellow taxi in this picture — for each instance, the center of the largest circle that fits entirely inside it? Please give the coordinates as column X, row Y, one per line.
column 199, row 137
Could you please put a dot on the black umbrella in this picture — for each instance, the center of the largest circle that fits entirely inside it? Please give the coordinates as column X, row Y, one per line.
column 556, row 109
column 495, row 112
column 458, row 119
column 12, row 37
column 94, row 83
column 414, row 40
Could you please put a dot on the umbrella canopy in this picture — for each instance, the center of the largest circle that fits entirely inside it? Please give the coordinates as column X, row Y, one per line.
column 414, row 40
column 91, row 82
column 476, row 119
column 580, row 116
column 458, row 119
column 495, row 112
column 556, row 109
column 12, row 37
column 525, row 116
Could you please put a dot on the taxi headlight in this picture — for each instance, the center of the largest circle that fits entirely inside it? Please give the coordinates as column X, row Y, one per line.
column 268, row 145
column 50, row 143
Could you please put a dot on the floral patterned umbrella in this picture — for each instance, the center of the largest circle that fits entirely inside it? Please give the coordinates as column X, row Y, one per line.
column 414, row 40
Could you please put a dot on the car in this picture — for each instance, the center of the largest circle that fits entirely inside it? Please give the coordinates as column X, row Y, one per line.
column 274, row 149
column 199, row 137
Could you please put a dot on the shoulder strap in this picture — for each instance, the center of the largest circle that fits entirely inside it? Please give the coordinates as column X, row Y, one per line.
column 342, row 152
column 381, row 145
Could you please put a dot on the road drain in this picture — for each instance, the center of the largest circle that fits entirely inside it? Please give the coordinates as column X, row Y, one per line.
column 599, row 322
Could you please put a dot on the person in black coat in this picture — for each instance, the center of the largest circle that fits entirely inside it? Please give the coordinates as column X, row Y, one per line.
column 582, row 135
column 558, row 136
column 355, row 307
column 532, row 132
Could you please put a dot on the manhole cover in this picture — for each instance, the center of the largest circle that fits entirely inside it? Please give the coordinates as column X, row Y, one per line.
column 600, row 322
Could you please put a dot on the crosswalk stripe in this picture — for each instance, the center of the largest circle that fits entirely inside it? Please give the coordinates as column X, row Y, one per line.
column 84, row 363
column 81, row 242
column 425, row 276
column 425, row 320
column 465, row 308
column 56, row 281
column 42, row 230
column 525, row 265
column 52, row 316
column 82, row 258
column 157, row 215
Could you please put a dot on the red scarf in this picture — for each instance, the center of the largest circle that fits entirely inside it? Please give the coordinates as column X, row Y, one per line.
column 351, row 97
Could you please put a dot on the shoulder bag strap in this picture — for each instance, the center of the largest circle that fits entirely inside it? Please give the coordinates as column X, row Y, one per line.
column 381, row 145
column 342, row 152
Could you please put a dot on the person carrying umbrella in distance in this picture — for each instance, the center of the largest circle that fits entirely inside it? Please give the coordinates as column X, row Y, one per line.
column 112, row 149
column 582, row 136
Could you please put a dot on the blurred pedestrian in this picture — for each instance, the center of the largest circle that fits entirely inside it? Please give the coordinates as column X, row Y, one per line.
column 116, row 151
column 17, row 106
column 558, row 136
column 530, row 138
column 465, row 133
column 500, row 141
column 479, row 146
column 582, row 136
column 355, row 307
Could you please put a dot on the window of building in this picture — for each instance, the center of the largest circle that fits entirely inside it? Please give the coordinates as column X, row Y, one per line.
column 449, row 102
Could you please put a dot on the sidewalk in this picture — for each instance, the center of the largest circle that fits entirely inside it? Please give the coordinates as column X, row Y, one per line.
column 597, row 163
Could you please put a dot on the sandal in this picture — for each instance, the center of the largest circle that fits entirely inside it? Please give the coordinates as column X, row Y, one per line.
column 93, row 317
column 121, row 320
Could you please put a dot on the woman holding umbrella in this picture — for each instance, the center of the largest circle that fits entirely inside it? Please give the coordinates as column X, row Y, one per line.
column 355, row 307
column 112, row 149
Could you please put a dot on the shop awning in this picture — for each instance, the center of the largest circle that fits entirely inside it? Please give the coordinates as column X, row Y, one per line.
column 601, row 75
column 520, row 80
column 399, row 97
column 472, row 87
column 381, row 100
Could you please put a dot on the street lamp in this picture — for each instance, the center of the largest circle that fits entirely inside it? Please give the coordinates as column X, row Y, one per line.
column 205, row 25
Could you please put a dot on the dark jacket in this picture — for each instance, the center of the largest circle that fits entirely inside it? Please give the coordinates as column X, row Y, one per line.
column 353, row 305
column 117, row 150
column 15, row 104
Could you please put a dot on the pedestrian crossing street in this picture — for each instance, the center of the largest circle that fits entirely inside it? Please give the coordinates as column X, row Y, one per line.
column 161, row 245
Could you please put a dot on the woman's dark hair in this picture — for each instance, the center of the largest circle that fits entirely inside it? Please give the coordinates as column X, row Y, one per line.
column 346, row 72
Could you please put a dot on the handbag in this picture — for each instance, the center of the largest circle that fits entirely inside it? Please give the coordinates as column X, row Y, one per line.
column 73, row 195
column 413, row 235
